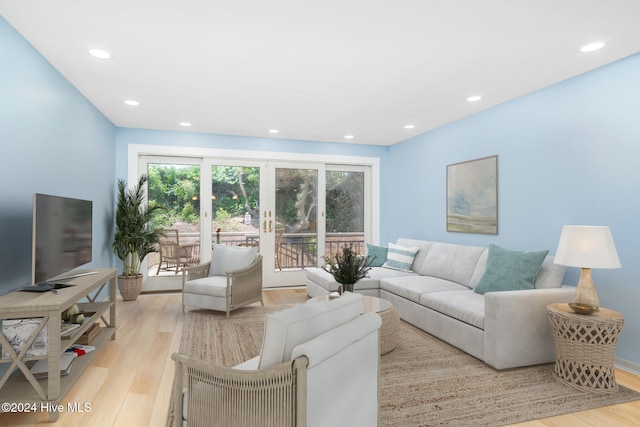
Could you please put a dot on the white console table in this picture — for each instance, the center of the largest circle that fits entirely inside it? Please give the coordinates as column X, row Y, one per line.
column 19, row 385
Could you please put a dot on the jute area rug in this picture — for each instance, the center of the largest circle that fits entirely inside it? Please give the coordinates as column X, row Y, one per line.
column 423, row 382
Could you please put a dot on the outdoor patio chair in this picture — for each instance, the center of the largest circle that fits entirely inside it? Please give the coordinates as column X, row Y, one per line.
column 174, row 254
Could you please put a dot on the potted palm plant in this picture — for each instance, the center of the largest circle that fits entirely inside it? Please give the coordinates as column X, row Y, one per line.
column 134, row 237
column 347, row 267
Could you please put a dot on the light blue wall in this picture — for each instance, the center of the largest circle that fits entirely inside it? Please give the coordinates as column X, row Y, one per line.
column 567, row 154
column 53, row 141
column 125, row 137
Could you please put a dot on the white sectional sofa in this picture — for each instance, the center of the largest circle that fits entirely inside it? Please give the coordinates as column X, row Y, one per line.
column 505, row 329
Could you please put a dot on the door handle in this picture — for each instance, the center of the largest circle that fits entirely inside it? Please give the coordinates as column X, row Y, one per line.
column 264, row 225
column 270, row 226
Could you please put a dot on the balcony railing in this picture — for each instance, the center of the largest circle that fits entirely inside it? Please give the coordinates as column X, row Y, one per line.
column 295, row 251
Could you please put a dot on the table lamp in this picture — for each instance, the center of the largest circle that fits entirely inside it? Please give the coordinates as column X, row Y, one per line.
column 586, row 247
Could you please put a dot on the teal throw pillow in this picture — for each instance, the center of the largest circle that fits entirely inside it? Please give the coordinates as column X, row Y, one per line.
column 378, row 255
column 510, row 270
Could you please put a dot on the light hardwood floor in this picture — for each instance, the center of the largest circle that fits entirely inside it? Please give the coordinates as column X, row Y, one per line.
column 129, row 381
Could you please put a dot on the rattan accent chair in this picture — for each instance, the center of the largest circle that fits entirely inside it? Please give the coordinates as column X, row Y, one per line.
column 318, row 366
column 232, row 279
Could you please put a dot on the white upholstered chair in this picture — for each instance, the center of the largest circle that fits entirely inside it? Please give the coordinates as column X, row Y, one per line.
column 318, row 366
column 231, row 280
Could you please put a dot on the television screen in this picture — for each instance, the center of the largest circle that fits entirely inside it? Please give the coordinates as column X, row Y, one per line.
column 62, row 235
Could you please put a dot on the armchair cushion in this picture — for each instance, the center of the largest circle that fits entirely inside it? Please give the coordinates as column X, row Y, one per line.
column 215, row 286
column 230, row 258
column 284, row 330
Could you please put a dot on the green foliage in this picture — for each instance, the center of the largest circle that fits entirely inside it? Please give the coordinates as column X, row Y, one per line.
column 134, row 237
column 175, row 187
column 347, row 267
column 225, row 221
column 189, row 214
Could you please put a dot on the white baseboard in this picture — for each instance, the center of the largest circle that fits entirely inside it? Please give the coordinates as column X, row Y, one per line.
column 627, row 365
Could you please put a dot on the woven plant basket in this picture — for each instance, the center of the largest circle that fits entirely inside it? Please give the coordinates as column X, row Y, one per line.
column 130, row 287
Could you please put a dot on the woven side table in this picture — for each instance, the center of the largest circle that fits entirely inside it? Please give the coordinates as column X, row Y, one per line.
column 585, row 347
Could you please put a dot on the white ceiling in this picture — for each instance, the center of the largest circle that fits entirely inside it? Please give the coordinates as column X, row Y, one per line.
column 318, row 70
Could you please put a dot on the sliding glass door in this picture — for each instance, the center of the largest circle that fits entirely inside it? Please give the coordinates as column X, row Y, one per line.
column 294, row 213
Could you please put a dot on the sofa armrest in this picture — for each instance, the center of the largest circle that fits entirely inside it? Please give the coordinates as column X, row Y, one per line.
column 344, row 368
column 516, row 329
column 246, row 284
column 338, row 339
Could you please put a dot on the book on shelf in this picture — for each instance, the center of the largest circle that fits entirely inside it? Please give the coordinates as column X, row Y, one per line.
column 68, row 328
column 89, row 334
column 41, row 368
column 80, row 349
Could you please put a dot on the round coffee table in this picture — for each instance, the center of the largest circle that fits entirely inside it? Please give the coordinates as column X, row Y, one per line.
column 389, row 315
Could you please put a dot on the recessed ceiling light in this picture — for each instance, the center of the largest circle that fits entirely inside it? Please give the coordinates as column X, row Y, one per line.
column 274, row 131
column 132, row 102
column 99, row 53
column 348, row 137
column 474, row 98
column 409, row 126
column 592, row 47
column 185, row 124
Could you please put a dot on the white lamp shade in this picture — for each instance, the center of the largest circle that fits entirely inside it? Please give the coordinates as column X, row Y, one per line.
column 587, row 246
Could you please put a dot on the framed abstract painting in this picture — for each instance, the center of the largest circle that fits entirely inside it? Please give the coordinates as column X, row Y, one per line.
column 472, row 196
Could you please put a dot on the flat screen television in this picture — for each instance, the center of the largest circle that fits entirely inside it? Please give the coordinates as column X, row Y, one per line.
column 62, row 235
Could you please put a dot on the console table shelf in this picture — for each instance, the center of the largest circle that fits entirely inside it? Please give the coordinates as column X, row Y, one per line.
column 18, row 384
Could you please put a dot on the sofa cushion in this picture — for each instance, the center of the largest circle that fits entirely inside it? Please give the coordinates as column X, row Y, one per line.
column 216, row 286
column 378, row 255
column 550, row 274
column 451, row 262
column 230, row 258
column 465, row 305
column 424, row 246
column 481, row 266
column 509, row 270
column 400, row 257
column 285, row 329
column 413, row 287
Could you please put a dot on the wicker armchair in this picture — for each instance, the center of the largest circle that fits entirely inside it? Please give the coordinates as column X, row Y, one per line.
column 211, row 286
column 309, row 353
column 228, row 397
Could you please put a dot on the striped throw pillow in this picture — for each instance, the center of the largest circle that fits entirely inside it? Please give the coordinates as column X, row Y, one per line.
column 400, row 257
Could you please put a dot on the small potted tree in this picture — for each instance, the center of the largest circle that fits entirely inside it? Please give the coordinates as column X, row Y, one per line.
column 347, row 267
column 134, row 237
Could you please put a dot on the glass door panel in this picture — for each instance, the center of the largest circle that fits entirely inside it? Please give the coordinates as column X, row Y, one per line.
column 235, row 205
column 290, row 221
column 176, row 187
column 345, row 211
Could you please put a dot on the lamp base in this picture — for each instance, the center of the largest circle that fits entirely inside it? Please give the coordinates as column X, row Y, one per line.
column 586, row 299
column 583, row 308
